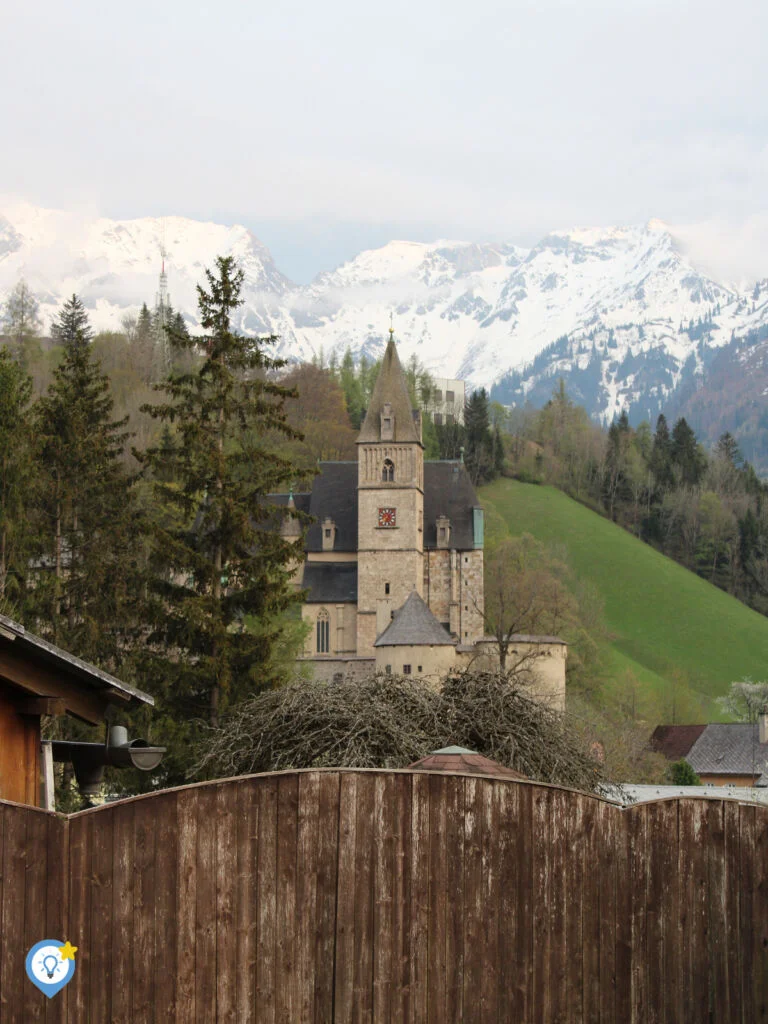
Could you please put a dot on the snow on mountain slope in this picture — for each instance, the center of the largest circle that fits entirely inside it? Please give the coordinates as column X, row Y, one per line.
column 621, row 313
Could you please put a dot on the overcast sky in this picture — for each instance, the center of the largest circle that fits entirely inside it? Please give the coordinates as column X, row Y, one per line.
column 332, row 127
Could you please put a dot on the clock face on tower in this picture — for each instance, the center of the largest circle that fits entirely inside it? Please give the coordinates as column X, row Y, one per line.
column 387, row 517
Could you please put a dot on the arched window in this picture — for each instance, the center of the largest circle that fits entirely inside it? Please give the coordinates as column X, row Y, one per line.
column 323, row 632
column 388, row 471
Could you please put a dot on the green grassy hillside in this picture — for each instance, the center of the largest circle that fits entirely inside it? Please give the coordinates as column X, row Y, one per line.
column 676, row 639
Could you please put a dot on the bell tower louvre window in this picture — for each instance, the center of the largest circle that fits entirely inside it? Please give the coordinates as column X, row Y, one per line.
column 388, row 471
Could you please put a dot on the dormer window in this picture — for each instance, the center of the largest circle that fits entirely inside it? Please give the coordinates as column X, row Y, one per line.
column 387, row 423
column 329, row 534
column 388, row 471
column 443, row 525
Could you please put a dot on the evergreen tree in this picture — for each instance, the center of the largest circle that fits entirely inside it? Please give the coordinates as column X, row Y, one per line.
column 661, row 454
column 16, row 479
column 727, row 448
column 498, row 451
column 687, row 457
column 220, row 570
column 88, row 525
column 479, row 455
column 144, row 345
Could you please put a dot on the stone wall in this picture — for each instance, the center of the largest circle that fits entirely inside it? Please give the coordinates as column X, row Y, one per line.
column 343, row 628
column 430, row 663
column 330, row 669
column 545, row 661
column 403, row 571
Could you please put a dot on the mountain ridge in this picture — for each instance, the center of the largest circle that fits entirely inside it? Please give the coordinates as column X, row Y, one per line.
column 622, row 313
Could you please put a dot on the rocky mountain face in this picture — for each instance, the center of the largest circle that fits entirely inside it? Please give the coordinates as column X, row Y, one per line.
column 621, row 313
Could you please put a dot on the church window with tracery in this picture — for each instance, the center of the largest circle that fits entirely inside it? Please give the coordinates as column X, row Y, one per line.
column 388, row 471
column 323, row 632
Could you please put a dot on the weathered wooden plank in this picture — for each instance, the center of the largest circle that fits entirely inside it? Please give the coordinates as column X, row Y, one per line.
column 80, row 913
column 674, row 940
column 56, row 902
column 383, row 897
column 286, row 994
column 123, row 881
column 590, row 926
column 246, row 921
column 694, row 914
column 419, row 907
column 362, row 1002
column 559, row 951
column 101, row 932
column 226, row 883
column 12, row 980
column 746, row 908
column 611, row 828
column 636, row 905
column 732, row 950
column 37, row 859
column 507, row 838
column 144, row 948
column 346, row 950
column 490, row 897
column 525, row 931
column 205, row 911
column 760, row 916
column 716, row 905
column 541, row 906
column 186, row 904
column 660, row 890
column 625, row 984
column 573, row 813
column 266, row 955
column 306, row 894
column 327, row 841
column 438, row 898
column 474, row 908
column 401, row 896
column 166, row 962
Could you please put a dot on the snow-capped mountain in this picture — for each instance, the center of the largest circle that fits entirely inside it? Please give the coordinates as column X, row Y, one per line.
column 621, row 313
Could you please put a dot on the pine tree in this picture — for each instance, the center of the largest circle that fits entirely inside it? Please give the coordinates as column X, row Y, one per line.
column 144, row 345
column 686, row 454
column 661, row 454
column 220, row 569
column 479, row 454
column 16, row 479
column 727, row 448
column 89, row 527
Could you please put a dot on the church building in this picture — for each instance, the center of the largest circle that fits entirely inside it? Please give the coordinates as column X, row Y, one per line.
column 393, row 565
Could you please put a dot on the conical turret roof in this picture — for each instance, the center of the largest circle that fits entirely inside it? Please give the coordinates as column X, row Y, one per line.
column 391, row 388
column 414, row 625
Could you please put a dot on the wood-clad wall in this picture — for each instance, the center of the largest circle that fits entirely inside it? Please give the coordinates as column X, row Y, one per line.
column 341, row 896
column 19, row 753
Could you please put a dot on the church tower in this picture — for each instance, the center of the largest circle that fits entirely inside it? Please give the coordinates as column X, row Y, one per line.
column 390, row 503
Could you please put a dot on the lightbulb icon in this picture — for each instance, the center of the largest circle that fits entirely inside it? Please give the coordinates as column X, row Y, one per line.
column 50, row 963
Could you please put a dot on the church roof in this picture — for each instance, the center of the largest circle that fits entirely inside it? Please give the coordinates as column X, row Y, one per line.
column 414, row 625
column 330, row 581
column 448, row 491
column 392, row 387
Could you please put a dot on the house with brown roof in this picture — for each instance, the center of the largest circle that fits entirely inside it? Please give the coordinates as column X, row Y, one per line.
column 721, row 754
column 393, row 558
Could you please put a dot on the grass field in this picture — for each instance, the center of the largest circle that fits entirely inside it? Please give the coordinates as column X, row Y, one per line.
column 675, row 637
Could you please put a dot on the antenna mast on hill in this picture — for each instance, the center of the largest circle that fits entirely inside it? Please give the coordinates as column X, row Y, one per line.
column 162, row 313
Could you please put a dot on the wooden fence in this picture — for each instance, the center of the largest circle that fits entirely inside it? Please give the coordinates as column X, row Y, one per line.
column 377, row 896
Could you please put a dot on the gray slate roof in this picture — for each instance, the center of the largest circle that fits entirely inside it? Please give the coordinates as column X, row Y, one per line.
column 332, row 582
column 391, row 386
column 414, row 625
column 729, row 749
column 448, row 491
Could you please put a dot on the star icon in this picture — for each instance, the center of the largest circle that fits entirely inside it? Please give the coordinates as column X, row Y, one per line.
column 67, row 951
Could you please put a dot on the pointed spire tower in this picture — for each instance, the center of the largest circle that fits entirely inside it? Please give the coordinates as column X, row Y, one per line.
column 390, row 500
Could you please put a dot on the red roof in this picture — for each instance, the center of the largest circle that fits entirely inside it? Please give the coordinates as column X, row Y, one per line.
column 458, row 759
column 675, row 741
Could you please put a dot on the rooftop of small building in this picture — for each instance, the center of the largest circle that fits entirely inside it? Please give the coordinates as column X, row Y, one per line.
column 460, row 759
column 414, row 625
